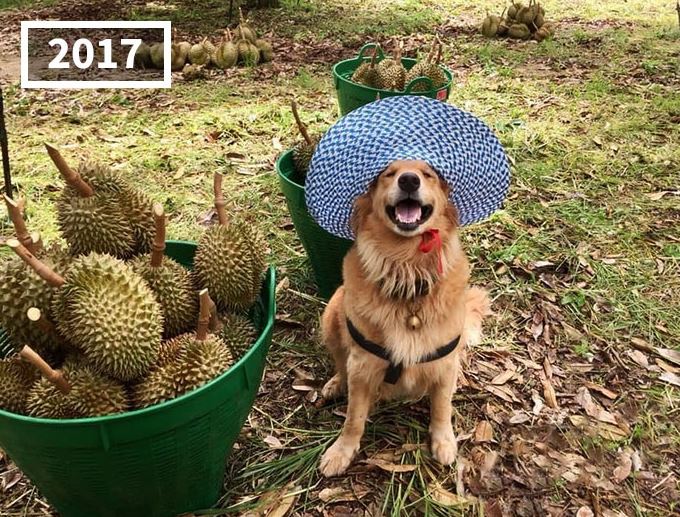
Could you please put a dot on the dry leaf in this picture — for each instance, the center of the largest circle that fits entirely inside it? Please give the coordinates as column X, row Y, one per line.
column 592, row 408
column 504, row 377
column 670, row 378
column 273, row 442
column 488, row 463
column 672, row 356
column 303, row 387
column 636, row 461
column 284, row 506
column 483, row 432
column 503, row 392
column 603, row 429
column 339, row 494
column 538, row 403
column 444, row 497
column 666, row 367
column 519, row 417
column 655, row 196
column 638, row 357
column 390, row 467
column 601, row 389
column 625, row 465
column 549, row 393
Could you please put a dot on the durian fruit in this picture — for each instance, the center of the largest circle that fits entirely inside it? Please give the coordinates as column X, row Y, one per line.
column 199, row 54
column 367, row 72
column 226, row 54
column 193, row 72
column 177, row 59
column 157, row 53
column 16, row 378
column 143, row 56
column 266, row 50
column 230, row 259
column 392, row 72
column 519, row 31
column 21, row 288
column 74, row 391
column 238, row 333
column 187, row 362
column 428, row 67
column 303, row 151
column 248, row 53
column 184, row 47
column 513, row 10
column 490, row 25
column 544, row 32
column 244, row 30
column 170, row 282
column 107, row 310
column 211, row 50
column 527, row 14
column 100, row 211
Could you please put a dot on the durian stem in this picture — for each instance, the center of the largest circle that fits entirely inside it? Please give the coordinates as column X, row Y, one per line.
column 219, row 200
column 42, row 270
column 70, row 176
column 229, row 36
column 17, row 218
column 439, row 54
column 203, row 315
column 397, row 54
column 300, row 125
column 158, row 246
column 36, row 242
column 35, row 315
column 216, row 323
column 432, row 53
column 241, row 19
column 375, row 55
column 56, row 377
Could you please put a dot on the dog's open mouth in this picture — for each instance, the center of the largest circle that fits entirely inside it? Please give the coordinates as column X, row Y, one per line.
column 408, row 214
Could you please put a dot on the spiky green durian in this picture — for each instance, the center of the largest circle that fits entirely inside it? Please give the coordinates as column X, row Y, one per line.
column 143, row 56
column 91, row 394
column 248, row 53
column 490, row 25
column 430, row 68
column 367, row 72
column 112, row 316
column 519, row 31
column 16, row 380
column 392, row 73
column 244, row 30
column 21, row 289
column 238, row 333
column 177, row 60
column 157, row 54
column 170, row 282
column 266, row 50
column 184, row 47
column 199, row 54
column 226, row 54
column 303, row 151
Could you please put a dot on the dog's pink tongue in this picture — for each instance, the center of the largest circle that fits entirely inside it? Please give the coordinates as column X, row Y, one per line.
column 408, row 212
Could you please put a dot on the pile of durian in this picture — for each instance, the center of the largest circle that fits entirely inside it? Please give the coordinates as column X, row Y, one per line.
column 519, row 21
column 246, row 49
column 108, row 323
column 390, row 73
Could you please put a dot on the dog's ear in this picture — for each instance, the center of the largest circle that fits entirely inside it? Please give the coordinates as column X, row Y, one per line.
column 362, row 208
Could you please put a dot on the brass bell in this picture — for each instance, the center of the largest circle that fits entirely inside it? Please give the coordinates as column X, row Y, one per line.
column 414, row 322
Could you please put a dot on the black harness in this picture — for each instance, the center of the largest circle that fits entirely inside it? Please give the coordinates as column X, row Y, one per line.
column 394, row 371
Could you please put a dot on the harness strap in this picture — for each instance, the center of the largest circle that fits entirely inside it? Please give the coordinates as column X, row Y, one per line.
column 394, row 370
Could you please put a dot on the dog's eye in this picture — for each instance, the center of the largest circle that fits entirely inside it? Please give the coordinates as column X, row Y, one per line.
column 428, row 175
column 390, row 174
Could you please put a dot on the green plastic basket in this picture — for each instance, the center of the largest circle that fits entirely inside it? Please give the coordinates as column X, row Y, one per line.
column 160, row 461
column 352, row 95
column 325, row 250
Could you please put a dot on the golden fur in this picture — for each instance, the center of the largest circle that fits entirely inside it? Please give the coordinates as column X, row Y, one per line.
column 386, row 260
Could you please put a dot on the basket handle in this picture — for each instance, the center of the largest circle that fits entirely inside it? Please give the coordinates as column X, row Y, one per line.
column 368, row 46
column 422, row 79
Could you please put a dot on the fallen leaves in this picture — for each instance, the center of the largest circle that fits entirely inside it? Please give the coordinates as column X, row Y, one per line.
column 442, row 496
column 622, row 471
column 670, row 378
column 389, row 466
column 341, row 494
column 483, row 432
column 592, row 408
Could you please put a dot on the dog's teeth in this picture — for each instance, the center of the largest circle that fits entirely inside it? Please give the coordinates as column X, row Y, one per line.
column 408, row 213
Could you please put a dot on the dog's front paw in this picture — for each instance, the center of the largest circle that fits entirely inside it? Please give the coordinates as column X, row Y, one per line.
column 336, row 459
column 445, row 450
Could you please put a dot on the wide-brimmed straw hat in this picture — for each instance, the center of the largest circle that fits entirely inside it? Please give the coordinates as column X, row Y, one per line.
column 458, row 146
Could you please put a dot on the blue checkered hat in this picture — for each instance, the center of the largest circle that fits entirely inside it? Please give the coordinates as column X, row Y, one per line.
column 460, row 147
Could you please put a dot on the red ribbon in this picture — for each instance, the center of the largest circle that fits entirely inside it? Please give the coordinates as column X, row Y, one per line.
column 432, row 240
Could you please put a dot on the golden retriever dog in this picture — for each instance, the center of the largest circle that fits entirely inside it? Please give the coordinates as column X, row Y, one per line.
column 406, row 291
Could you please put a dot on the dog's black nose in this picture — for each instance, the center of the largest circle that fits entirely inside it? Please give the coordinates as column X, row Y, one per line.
column 409, row 182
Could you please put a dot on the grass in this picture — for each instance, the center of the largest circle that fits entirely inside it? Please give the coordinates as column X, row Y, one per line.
column 590, row 122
